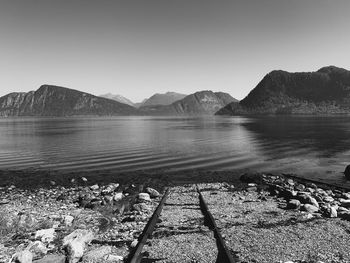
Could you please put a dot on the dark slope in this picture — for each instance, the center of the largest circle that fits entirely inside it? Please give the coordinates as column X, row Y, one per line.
column 325, row 91
column 199, row 103
column 58, row 101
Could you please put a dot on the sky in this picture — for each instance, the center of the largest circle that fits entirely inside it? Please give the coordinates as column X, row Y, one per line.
column 138, row 48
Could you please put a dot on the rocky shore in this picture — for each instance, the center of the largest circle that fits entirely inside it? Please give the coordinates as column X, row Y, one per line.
column 262, row 217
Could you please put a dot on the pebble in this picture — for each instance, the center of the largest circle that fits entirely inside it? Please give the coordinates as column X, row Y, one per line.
column 144, row 197
column 152, row 192
column 24, row 256
column 46, row 235
column 113, row 258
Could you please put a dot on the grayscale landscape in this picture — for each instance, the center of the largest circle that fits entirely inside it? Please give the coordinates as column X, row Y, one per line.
column 174, row 131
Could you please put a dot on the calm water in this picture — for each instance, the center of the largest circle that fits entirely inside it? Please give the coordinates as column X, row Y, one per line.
column 317, row 147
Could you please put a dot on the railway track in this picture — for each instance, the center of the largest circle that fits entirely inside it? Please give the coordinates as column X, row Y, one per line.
column 186, row 232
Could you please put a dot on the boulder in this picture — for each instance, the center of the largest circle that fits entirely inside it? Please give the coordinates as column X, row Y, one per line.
column 310, row 208
column 45, row 235
column 152, row 192
column 144, row 197
column 331, row 212
column 97, row 255
column 293, row 204
column 75, row 244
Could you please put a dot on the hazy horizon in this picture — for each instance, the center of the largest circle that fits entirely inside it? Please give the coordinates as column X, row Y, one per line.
column 138, row 48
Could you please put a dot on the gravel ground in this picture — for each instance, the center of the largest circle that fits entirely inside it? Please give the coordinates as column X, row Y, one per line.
column 182, row 236
column 254, row 226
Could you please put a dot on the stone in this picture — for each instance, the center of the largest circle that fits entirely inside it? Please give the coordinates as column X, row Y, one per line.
column 97, row 254
column 75, row 244
column 134, row 243
column 118, row 196
column 52, row 183
column 37, row 248
column 108, row 199
column 114, row 258
column 24, row 256
column 84, row 179
column 110, row 188
column 342, row 209
column 310, row 208
column 290, row 182
column 51, row 259
column 299, row 187
column 252, row 189
column 94, row 187
column 331, row 212
column 144, row 197
column 328, row 199
column 344, row 215
column 141, row 207
column 345, row 203
column 347, row 172
column 46, row 235
column 152, row 192
column 312, row 201
column 346, row 196
column 68, row 220
column 293, row 204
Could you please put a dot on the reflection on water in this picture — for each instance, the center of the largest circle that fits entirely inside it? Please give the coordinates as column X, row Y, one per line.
column 310, row 146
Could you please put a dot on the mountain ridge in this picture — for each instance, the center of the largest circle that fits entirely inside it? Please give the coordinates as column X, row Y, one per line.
column 325, row 91
column 51, row 100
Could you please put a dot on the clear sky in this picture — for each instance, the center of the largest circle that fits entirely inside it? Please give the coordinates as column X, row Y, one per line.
column 138, row 48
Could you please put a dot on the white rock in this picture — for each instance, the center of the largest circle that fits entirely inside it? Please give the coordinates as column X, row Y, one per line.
column 75, row 244
column 84, row 179
column 144, row 197
column 68, row 220
column 94, row 187
column 113, row 258
column 134, row 243
column 46, row 235
column 118, row 196
column 152, row 192
column 24, row 256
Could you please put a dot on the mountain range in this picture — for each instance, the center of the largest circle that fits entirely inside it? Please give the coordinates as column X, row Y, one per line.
column 326, row 91
column 51, row 100
column 200, row 103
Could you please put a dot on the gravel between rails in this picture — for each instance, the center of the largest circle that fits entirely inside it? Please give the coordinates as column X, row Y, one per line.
column 181, row 236
column 253, row 225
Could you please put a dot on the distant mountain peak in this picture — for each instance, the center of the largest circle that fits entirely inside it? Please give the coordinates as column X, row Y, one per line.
column 163, row 98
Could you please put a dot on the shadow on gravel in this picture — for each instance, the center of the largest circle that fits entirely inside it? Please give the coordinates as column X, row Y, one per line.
column 287, row 222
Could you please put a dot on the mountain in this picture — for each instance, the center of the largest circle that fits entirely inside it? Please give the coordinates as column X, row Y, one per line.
column 58, row 101
column 200, row 103
column 163, row 99
column 118, row 98
column 326, row 91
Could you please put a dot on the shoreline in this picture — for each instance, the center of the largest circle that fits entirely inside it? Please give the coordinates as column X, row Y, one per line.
column 115, row 207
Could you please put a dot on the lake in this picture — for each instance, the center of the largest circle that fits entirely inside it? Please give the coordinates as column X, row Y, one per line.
column 315, row 147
